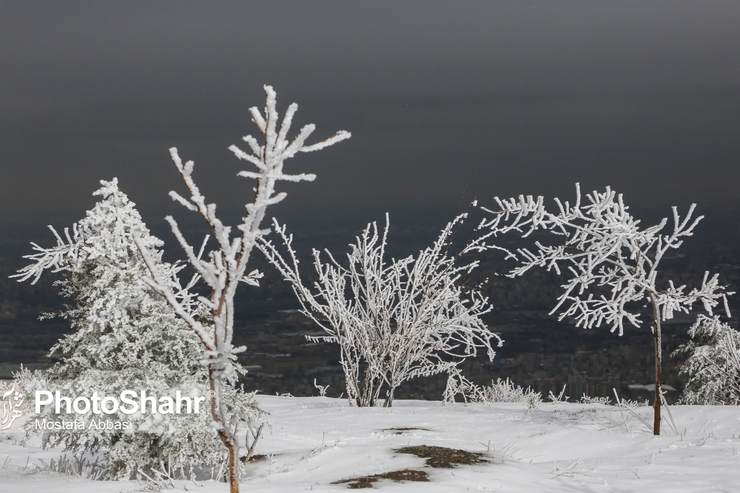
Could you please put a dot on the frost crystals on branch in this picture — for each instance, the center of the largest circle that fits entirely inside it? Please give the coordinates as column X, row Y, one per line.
column 611, row 263
column 225, row 267
column 395, row 320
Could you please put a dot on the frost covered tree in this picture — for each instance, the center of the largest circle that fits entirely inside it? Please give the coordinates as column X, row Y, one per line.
column 713, row 363
column 395, row 319
column 125, row 337
column 226, row 266
column 611, row 264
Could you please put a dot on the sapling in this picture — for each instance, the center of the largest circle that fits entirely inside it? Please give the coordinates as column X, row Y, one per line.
column 610, row 263
column 225, row 267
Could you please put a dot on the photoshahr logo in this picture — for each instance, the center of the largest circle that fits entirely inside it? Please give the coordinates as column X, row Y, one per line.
column 128, row 410
column 127, row 402
column 12, row 404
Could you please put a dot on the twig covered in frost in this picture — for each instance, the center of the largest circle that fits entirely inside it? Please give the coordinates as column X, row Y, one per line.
column 575, row 467
column 561, row 397
column 587, row 399
column 321, row 388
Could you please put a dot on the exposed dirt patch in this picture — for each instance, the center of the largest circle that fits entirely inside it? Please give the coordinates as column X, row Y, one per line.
column 367, row 481
column 442, row 456
column 399, row 431
column 254, row 458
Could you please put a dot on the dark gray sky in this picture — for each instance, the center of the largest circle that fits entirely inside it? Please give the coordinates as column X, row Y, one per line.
column 446, row 101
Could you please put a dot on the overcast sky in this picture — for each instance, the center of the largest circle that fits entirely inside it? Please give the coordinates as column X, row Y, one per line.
column 446, row 101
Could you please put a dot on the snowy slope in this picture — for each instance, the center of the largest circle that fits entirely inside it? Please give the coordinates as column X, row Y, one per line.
column 559, row 447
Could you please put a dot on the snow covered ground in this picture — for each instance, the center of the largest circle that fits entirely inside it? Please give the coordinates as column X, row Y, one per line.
column 559, row 447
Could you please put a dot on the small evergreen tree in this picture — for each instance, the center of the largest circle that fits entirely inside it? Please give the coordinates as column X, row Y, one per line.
column 713, row 365
column 125, row 337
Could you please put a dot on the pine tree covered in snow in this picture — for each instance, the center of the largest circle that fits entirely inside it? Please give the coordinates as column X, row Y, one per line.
column 125, row 337
column 713, row 363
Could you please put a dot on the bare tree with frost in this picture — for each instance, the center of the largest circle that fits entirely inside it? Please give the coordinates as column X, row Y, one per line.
column 226, row 266
column 393, row 320
column 610, row 262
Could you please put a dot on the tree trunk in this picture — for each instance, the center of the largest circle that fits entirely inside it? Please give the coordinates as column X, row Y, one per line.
column 228, row 439
column 368, row 388
column 658, row 365
column 233, row 469
column 389, row 398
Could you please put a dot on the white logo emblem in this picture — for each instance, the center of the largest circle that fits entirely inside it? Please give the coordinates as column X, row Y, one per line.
column 12, row 404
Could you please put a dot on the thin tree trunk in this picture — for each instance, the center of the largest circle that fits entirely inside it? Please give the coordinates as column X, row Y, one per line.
column 368, row 389
column 233, row 469
column 389, row 398
column 658, row 365
column 228, row 439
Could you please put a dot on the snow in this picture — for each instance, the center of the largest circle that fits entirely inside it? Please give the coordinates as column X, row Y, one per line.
column 558, row 447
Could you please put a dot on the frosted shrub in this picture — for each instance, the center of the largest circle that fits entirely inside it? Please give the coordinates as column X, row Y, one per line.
column 507, row 391
column 77, row 465
column 587, row 399
column 631, row 403
column 498, row 391
column 393, row 319
column 713, row 364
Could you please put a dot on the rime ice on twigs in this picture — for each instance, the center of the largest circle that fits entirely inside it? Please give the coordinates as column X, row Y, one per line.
column 611, row 264
column 393, row 320
column 225, row 266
